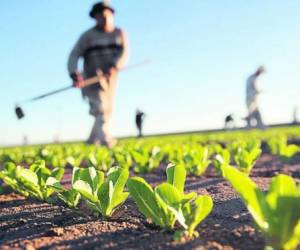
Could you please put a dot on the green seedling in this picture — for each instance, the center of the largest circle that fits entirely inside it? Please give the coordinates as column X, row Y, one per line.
column 146, row 161
column 102, row 196
column 32, row 181
column 167, row 203
column 9, row 176
column 196, row 161
column 275, row 213
column 70, row 197
column 222, row 158
column 246, row 159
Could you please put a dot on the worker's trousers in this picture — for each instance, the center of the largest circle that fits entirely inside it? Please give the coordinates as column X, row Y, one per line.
column 101, row 107
column 255, row 116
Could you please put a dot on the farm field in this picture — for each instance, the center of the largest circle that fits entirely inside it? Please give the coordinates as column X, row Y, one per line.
column 53, row 196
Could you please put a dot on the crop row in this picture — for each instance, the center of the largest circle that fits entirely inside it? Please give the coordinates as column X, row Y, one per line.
column 143, row 158
column 276, row 214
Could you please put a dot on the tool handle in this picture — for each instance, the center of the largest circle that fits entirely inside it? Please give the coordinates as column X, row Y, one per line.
column 50, row 94
column 99, row 77
column 90, row 81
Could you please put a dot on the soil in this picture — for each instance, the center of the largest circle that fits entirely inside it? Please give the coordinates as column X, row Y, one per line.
column 29, row 224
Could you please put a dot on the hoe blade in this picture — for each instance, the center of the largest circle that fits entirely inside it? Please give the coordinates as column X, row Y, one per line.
column 19, row 112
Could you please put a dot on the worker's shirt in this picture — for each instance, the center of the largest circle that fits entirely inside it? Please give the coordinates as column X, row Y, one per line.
column 139, row 118
column 251, row 93
column 100, row 50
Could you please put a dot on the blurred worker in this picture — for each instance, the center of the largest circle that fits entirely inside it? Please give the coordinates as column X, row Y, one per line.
column 295, row 115
column 104, row 49
column 139, row 118
column 252, row 93
column 229, row 122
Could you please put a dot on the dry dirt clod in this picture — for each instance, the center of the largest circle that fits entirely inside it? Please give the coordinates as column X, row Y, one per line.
column 58, row 231
column 29, row 247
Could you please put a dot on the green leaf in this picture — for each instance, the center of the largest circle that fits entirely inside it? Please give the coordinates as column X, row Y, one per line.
column 9, row 169
column 284, row 200
column 55, row 184
column 173, row 199
column 294, row 239
column 189, row 197
column 85, row 190
column 37, row 165
column 200, row 209
column 90, row 175
column 58, row 173
column 111, row 192
column 26, row 175
column 176, row 175
column 144, row 197
column 283, row 185
column 70, row 197
column 250, row 194
column 169, row 193
column 119, row 179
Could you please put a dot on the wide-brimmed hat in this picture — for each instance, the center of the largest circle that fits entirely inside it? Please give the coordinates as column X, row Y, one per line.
column 99, row 7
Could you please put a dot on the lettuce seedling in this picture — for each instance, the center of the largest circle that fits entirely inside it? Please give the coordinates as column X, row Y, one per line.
column 123, row 159
column 196, row 161
column 70, row 197
column 75, row 160
column 141, row 159
column 167, row 203
column 274, row 144
column 103, row 197
column 246, row 159
column 279, row 145
column 287, row 152
column 222, row 158
column 34, row 179
column 146, row 161
column 102, row 159
column 8, row 175
column 275, row 213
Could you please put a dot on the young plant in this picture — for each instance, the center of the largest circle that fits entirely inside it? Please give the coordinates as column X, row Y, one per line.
column 246, row 159
column 34, row 179
column 197, row 160
column 287, row 152
column 222, row 158
column 274, row 144
column 122, row 158
column 102, row 159
column 167, row 203
column 146, row 161
column 279, row 146
column 9, row 176
column 70, row 197
column 103, row 197
column 276, row 213
column 75, row 160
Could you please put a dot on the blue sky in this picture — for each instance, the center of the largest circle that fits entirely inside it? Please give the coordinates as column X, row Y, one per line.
column 202, row 53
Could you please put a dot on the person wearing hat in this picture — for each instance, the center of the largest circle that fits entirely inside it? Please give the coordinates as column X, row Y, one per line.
column 252, row 93
column 103, row 48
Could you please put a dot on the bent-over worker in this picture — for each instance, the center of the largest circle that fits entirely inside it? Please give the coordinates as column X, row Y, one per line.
column 104, row 49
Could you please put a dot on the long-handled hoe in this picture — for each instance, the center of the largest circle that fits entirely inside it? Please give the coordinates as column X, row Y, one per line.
column 98, row 79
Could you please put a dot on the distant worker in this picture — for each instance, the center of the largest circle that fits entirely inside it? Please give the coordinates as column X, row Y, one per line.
column 25, row 140
column 229, row 122
column 295, row 115
column 139, row 119
column 104, row 49
column 252, row 93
